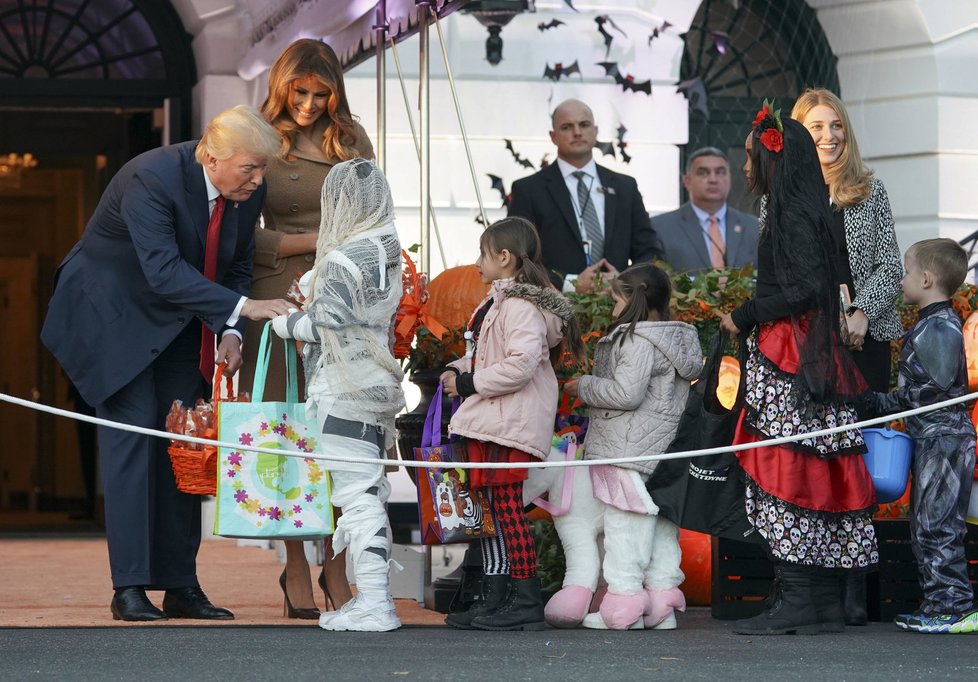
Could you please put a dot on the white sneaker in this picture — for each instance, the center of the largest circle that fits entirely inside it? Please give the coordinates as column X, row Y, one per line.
column 357, row 616
column 667, row 623
column 594, row 621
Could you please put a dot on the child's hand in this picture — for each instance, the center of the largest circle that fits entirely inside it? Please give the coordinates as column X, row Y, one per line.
column 570, row 388
column 727, row 325
column 448, row 384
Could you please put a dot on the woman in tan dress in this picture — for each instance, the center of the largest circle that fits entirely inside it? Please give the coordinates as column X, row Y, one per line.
column 307, row 104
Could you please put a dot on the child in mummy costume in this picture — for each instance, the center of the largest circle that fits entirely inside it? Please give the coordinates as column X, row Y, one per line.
column 353, row 382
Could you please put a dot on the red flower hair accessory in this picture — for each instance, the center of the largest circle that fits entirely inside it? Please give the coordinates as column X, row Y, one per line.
column 768, row 119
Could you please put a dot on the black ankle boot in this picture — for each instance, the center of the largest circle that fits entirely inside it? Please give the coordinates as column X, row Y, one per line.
column 522, row 609
column 495, row 589
column 792, row 612
column 827, row 599
column 854, row 599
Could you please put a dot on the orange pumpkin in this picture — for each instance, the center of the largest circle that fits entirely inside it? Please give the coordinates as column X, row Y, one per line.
column 970, row 332
column 729, row 381
column 454, row 294
column 697, row 565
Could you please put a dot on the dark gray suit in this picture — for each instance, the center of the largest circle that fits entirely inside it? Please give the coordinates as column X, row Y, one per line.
column 125, row 323
column 682, row 237
column 543, row 199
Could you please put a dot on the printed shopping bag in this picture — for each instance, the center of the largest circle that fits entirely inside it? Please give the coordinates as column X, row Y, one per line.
column 261, row 495
column 449, row 511
column 706, row 493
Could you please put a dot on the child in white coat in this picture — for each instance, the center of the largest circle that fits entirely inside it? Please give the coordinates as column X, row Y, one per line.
column 642, row 371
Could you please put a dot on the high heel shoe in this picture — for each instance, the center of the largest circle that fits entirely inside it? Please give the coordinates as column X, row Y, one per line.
column 330, row 600
column 291, row 611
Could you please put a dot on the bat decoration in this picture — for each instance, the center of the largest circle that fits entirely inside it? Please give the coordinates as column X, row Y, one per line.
column 497, row 184
column 545, row 161
column 694, row 90
column 526, row 163
column 571, row 5
column 720, row 40
column 657, row 30
column 550, row 24
column 478, row 219
column 559, row 70
column 620, row 136
column 626, row 82
column 601, row 20
column 606, row 148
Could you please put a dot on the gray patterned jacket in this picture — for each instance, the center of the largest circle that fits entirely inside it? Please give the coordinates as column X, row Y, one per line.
column 874, row 257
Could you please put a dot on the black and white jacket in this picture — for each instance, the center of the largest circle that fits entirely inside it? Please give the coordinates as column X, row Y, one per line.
column 874, row 258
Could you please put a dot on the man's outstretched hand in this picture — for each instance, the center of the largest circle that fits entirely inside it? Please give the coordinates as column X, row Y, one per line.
column 265, row 310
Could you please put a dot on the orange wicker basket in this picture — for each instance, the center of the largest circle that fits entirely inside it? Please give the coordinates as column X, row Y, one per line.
column 196, row 470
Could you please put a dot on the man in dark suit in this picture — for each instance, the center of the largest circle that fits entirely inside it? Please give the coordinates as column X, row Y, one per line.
column 705, row 232
column 591, row 220
column 163, row 265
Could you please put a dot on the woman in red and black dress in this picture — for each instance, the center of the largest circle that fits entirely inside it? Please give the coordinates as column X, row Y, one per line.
column 811, row 500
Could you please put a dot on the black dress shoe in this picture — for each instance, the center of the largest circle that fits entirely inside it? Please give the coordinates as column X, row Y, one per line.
column 191, row 602
column 131, row 603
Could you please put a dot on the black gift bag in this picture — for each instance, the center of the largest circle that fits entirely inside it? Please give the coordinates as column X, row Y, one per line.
column 706, row 493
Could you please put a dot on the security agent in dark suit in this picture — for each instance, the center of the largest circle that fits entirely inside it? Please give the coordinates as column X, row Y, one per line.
column 591, row 220
column 705, row 232
column 126, row 322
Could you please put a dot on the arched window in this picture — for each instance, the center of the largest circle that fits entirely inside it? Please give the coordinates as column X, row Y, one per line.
column 96, row 53
column 743, row 52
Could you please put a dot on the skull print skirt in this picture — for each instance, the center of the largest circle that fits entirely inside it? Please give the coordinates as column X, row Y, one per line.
column 812, row 500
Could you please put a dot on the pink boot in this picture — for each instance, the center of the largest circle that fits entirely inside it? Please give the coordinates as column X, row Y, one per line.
column 567, row 608
column 660, row 610
column 622, row 611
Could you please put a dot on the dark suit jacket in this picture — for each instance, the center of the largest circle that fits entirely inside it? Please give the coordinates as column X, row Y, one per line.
column 685, row 247
column 544, row 200
column 134, row 280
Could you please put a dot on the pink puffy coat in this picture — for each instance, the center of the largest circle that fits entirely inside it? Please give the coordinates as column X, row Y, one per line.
column 516, row 389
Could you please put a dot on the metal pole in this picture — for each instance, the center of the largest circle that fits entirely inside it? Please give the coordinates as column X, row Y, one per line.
column 381, row 147
column 424, row 111
column 417, row 147
column 461, row 122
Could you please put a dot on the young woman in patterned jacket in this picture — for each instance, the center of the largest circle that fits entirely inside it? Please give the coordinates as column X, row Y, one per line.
column 870, row 265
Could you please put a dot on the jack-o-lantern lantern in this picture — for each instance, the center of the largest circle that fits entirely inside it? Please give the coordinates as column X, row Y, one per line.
column 970, row 332
column 729, row 381
column 454, row 294
column 697, row 566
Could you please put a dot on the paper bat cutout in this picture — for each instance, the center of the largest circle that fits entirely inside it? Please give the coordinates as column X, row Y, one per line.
column 545, row 161
column 497, row 184
column 559, row 70
column 478, row 219
column 720, row 40
column 601, row 20
column 626, row 82
column 657, row 30
column 606, row 148
column 620, row 136
column 571, row 5
column 517, row 156
column 550, row 24
column 694, row 90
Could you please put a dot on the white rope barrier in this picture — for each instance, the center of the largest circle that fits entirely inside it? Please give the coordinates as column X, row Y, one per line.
column 383, row 461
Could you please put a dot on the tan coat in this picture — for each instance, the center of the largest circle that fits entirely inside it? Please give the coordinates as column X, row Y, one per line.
column 291, row 207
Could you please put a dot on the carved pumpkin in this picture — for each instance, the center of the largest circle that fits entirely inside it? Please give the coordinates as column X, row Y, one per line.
column 697, row 566
column 729, row 381
column 971, row 349
column 454, row 294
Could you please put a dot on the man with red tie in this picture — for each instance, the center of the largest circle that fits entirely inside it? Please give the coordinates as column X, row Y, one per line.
column 163, row 267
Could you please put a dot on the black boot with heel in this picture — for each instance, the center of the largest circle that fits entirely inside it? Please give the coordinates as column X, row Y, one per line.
column 522, row 609
column 495, row 589
column 789, row 610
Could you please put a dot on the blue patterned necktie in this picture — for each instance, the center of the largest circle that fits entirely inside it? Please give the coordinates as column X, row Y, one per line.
column 589, row 216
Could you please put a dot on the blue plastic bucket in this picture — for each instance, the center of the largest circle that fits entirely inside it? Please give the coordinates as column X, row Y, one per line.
column 887, row 458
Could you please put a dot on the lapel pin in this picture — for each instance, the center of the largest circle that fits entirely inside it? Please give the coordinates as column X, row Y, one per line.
column 610, row 191
column 737, row 229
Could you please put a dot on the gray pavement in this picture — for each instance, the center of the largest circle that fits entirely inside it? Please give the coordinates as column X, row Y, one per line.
column 701, row 649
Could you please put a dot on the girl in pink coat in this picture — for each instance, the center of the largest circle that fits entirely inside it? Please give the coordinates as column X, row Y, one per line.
column 509, row 391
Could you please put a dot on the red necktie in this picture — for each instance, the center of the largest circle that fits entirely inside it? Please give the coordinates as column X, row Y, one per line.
column 210, row 272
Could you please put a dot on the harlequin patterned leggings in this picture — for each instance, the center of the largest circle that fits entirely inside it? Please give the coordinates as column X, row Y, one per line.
column 511, row 550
